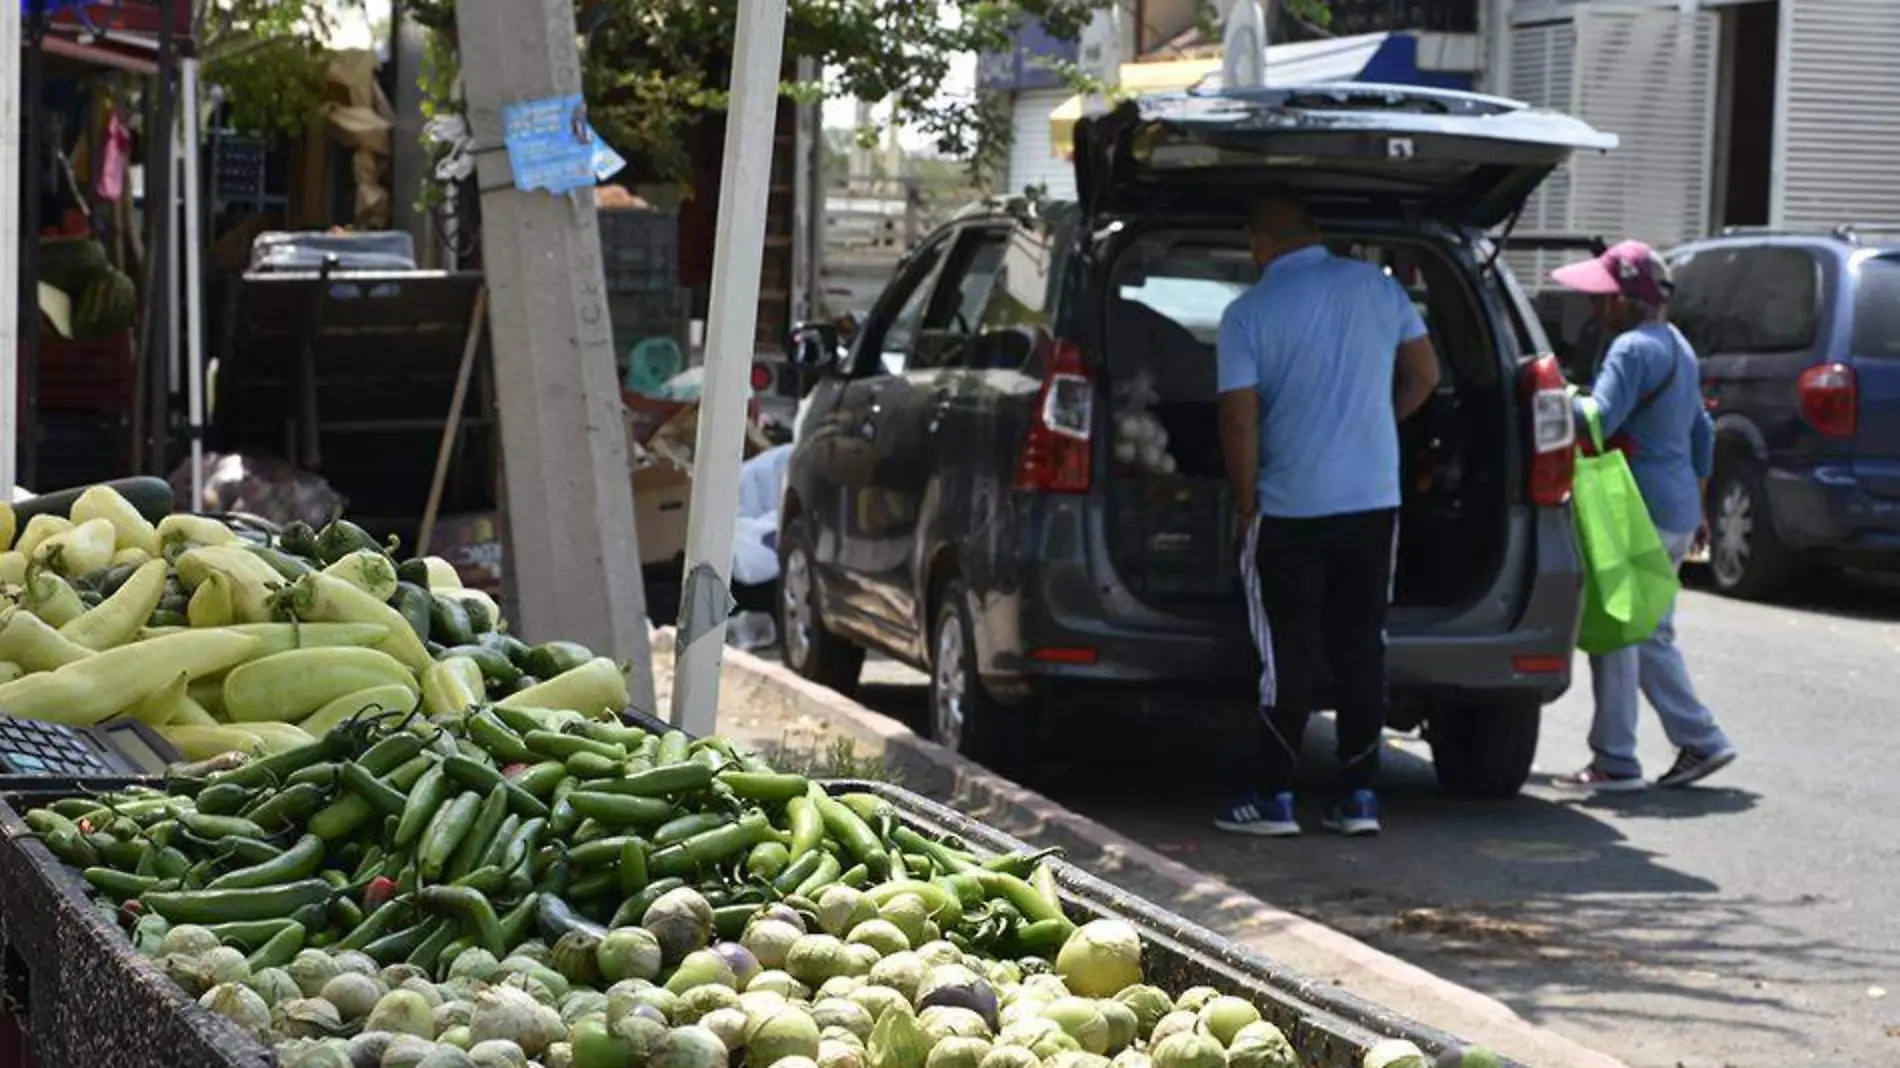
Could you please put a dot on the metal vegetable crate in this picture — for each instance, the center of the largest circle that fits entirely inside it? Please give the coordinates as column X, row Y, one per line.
column 83, row 996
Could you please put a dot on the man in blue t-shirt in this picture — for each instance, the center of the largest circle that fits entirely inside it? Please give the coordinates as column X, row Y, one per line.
column 1318, row 363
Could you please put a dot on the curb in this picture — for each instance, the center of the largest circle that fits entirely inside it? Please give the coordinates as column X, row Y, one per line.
column 1315, row 952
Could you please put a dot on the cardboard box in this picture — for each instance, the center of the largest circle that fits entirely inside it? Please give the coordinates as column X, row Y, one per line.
column 662, row 494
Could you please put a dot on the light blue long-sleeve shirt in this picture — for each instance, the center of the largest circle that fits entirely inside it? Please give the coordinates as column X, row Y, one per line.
column 1674, row 440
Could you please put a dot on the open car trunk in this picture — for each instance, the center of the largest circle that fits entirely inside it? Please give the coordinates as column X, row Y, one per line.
column 1387, row 160
column 1171, row 518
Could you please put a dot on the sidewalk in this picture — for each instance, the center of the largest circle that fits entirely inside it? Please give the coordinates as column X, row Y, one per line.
column 767, row 705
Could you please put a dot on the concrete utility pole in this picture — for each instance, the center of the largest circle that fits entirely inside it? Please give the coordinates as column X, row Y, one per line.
column 571, row 547
column 738, row 255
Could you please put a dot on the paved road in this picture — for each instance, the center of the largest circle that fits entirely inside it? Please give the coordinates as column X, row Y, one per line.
column 1751, row 923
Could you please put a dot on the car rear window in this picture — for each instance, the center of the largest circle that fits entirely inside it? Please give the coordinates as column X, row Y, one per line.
column 1877, row 308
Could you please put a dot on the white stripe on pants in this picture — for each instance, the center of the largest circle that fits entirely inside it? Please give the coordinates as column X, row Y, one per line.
column 1262, row 629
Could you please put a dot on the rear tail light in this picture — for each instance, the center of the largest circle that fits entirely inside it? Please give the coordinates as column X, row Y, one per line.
column 1553, row 431
column 1058, row 455
column 761, row 378
column 1830, row 399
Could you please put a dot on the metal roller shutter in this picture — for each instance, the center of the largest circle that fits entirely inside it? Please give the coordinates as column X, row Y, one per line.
column 1543, row 73
column 1837, row 130
column 1032, row 158
column 1650, row 78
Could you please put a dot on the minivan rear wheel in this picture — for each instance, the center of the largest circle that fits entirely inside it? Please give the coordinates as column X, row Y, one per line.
column 807, row 646
column 1747, row 558
column 964, row 716
column 1484, row 750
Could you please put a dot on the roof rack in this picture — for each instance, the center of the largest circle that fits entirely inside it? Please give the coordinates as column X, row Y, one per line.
column 1850, row 232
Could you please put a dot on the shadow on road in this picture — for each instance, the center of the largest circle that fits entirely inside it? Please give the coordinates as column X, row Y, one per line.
column 1544, row 901
column 1865, row 595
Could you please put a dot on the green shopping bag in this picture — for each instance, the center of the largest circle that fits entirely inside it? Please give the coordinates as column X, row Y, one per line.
column 1629, row 580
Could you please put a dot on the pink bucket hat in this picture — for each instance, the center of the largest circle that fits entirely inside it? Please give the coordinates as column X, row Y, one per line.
column 1628, row 268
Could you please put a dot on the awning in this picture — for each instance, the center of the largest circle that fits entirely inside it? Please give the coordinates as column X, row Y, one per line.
column 1336, row 59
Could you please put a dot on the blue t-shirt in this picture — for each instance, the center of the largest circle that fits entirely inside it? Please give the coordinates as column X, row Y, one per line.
column 1674, row 439
column 1317, row 339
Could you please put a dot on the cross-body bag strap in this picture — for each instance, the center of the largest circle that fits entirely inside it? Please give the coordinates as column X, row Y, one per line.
column 1644, row 402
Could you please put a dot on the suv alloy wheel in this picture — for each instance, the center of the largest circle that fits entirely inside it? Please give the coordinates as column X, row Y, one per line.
column 807, row 646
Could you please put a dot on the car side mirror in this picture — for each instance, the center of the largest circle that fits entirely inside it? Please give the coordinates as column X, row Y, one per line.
column 816, row 346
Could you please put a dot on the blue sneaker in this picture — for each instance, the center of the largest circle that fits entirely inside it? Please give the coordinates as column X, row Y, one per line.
column 1268, row 817
column 1356, row 815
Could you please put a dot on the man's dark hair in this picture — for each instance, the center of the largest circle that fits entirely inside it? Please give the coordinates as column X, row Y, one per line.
column 1280, row 214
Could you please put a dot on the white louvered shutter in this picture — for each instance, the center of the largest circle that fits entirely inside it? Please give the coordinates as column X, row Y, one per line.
column 1543, row 73
column 1650, row 78
column 1032, row 158
column 1839, row 157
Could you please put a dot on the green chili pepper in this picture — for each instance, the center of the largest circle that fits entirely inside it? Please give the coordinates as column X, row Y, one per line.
column 470, row 908
column 634, row 908
column 828, row 872
column 427, row 796
column 798, row 871
column 672, row 748
column 807, row 826
column 297, row 862
column 474, row 775
column 292, row 806
column 680, row 778
column 684, row 827
column 119, row 884
column 381, row 796
column 495, row 736
column 277, row 767
column 214, row 828
column 521, row 843
column 279, row 950
column 397, row 945
column 321, row 774
column 767, row 860
column 373, row 925
column 633, row 871
column 618, row 810
column 942, row 856
column 710, row 847
column 594, row 766
column 250, row 935
column 515, row 924
column 441, row 934
column 250, row 903
column 541, row 779
column 445, row 832
column 853, row 834
column 558, row 746
column 480, row 835
column 223, row 799
column 765, row 787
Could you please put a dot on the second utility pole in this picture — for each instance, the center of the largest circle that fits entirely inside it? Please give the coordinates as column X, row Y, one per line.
column 571, row 550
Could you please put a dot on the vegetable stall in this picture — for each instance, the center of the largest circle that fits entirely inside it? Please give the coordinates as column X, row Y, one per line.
column 398, row 835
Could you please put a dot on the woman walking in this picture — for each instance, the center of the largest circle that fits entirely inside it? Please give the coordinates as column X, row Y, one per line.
column 1648, row 399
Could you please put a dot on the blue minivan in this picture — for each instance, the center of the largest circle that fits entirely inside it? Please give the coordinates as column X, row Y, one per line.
column 1799, row 337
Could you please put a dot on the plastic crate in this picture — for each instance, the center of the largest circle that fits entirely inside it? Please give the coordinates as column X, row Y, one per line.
column 640, row 251
column 1172, row 537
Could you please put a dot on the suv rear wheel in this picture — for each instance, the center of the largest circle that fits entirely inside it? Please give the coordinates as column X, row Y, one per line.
column 807, row 646
column 964, row 715
column 1746, row 557
column 1484, row 751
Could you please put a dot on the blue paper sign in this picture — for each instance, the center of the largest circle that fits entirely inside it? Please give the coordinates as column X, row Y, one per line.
column 551, row 146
